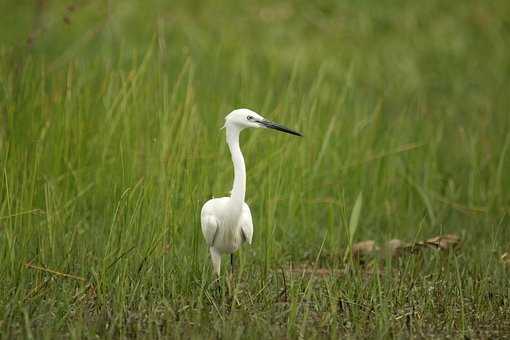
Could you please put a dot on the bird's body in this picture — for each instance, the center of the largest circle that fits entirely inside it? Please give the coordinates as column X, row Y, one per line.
column 226, row 221
column 224, row 228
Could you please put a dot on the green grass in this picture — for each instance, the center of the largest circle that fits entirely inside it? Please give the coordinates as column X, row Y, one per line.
column 110, row 142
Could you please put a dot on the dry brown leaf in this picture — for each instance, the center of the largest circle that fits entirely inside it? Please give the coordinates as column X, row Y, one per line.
column 505, row 258
column 364, row 248
column 396, row 247
column 443, row 242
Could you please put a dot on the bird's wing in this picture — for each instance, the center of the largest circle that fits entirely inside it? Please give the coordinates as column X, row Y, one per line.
column 246, row 224
column 209, row 225
column 209, row 228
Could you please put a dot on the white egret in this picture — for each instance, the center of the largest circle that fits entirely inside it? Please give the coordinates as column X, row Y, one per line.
column 226, row 221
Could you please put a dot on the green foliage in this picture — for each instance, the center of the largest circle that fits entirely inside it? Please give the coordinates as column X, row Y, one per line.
column 353, row 223
column 110, row 142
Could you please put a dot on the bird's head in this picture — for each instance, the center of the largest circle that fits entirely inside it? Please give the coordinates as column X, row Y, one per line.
column 245, row 118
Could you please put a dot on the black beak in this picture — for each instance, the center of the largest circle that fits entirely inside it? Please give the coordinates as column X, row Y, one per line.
column 271, row 125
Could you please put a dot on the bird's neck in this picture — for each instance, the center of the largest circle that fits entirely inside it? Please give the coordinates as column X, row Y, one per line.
column 239, row 186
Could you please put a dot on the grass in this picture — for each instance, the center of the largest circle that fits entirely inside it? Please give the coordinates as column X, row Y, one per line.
column 110, row 142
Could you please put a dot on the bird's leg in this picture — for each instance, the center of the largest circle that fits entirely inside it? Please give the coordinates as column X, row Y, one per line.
column 232, row 262
column 216, row 261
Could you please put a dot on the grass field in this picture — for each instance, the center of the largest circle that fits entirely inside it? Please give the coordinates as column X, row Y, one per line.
column 110, row 143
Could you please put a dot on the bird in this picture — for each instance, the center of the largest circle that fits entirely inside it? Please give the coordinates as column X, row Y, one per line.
column 227, row 221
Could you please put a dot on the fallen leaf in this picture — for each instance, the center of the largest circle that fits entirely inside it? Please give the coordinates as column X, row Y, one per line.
column 505, row 258
column 396, row 247
column 364, row 248
column 443, row 242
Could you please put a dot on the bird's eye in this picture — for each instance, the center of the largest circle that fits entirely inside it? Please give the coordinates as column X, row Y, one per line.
column 249, row 117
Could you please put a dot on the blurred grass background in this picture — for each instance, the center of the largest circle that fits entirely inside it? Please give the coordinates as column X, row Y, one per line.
column 110, row 144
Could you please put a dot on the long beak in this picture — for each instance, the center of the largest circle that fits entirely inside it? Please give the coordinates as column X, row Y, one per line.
column 271, row 125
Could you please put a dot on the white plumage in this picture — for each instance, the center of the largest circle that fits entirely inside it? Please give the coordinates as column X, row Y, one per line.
column 226, row 221
column 224, row 233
